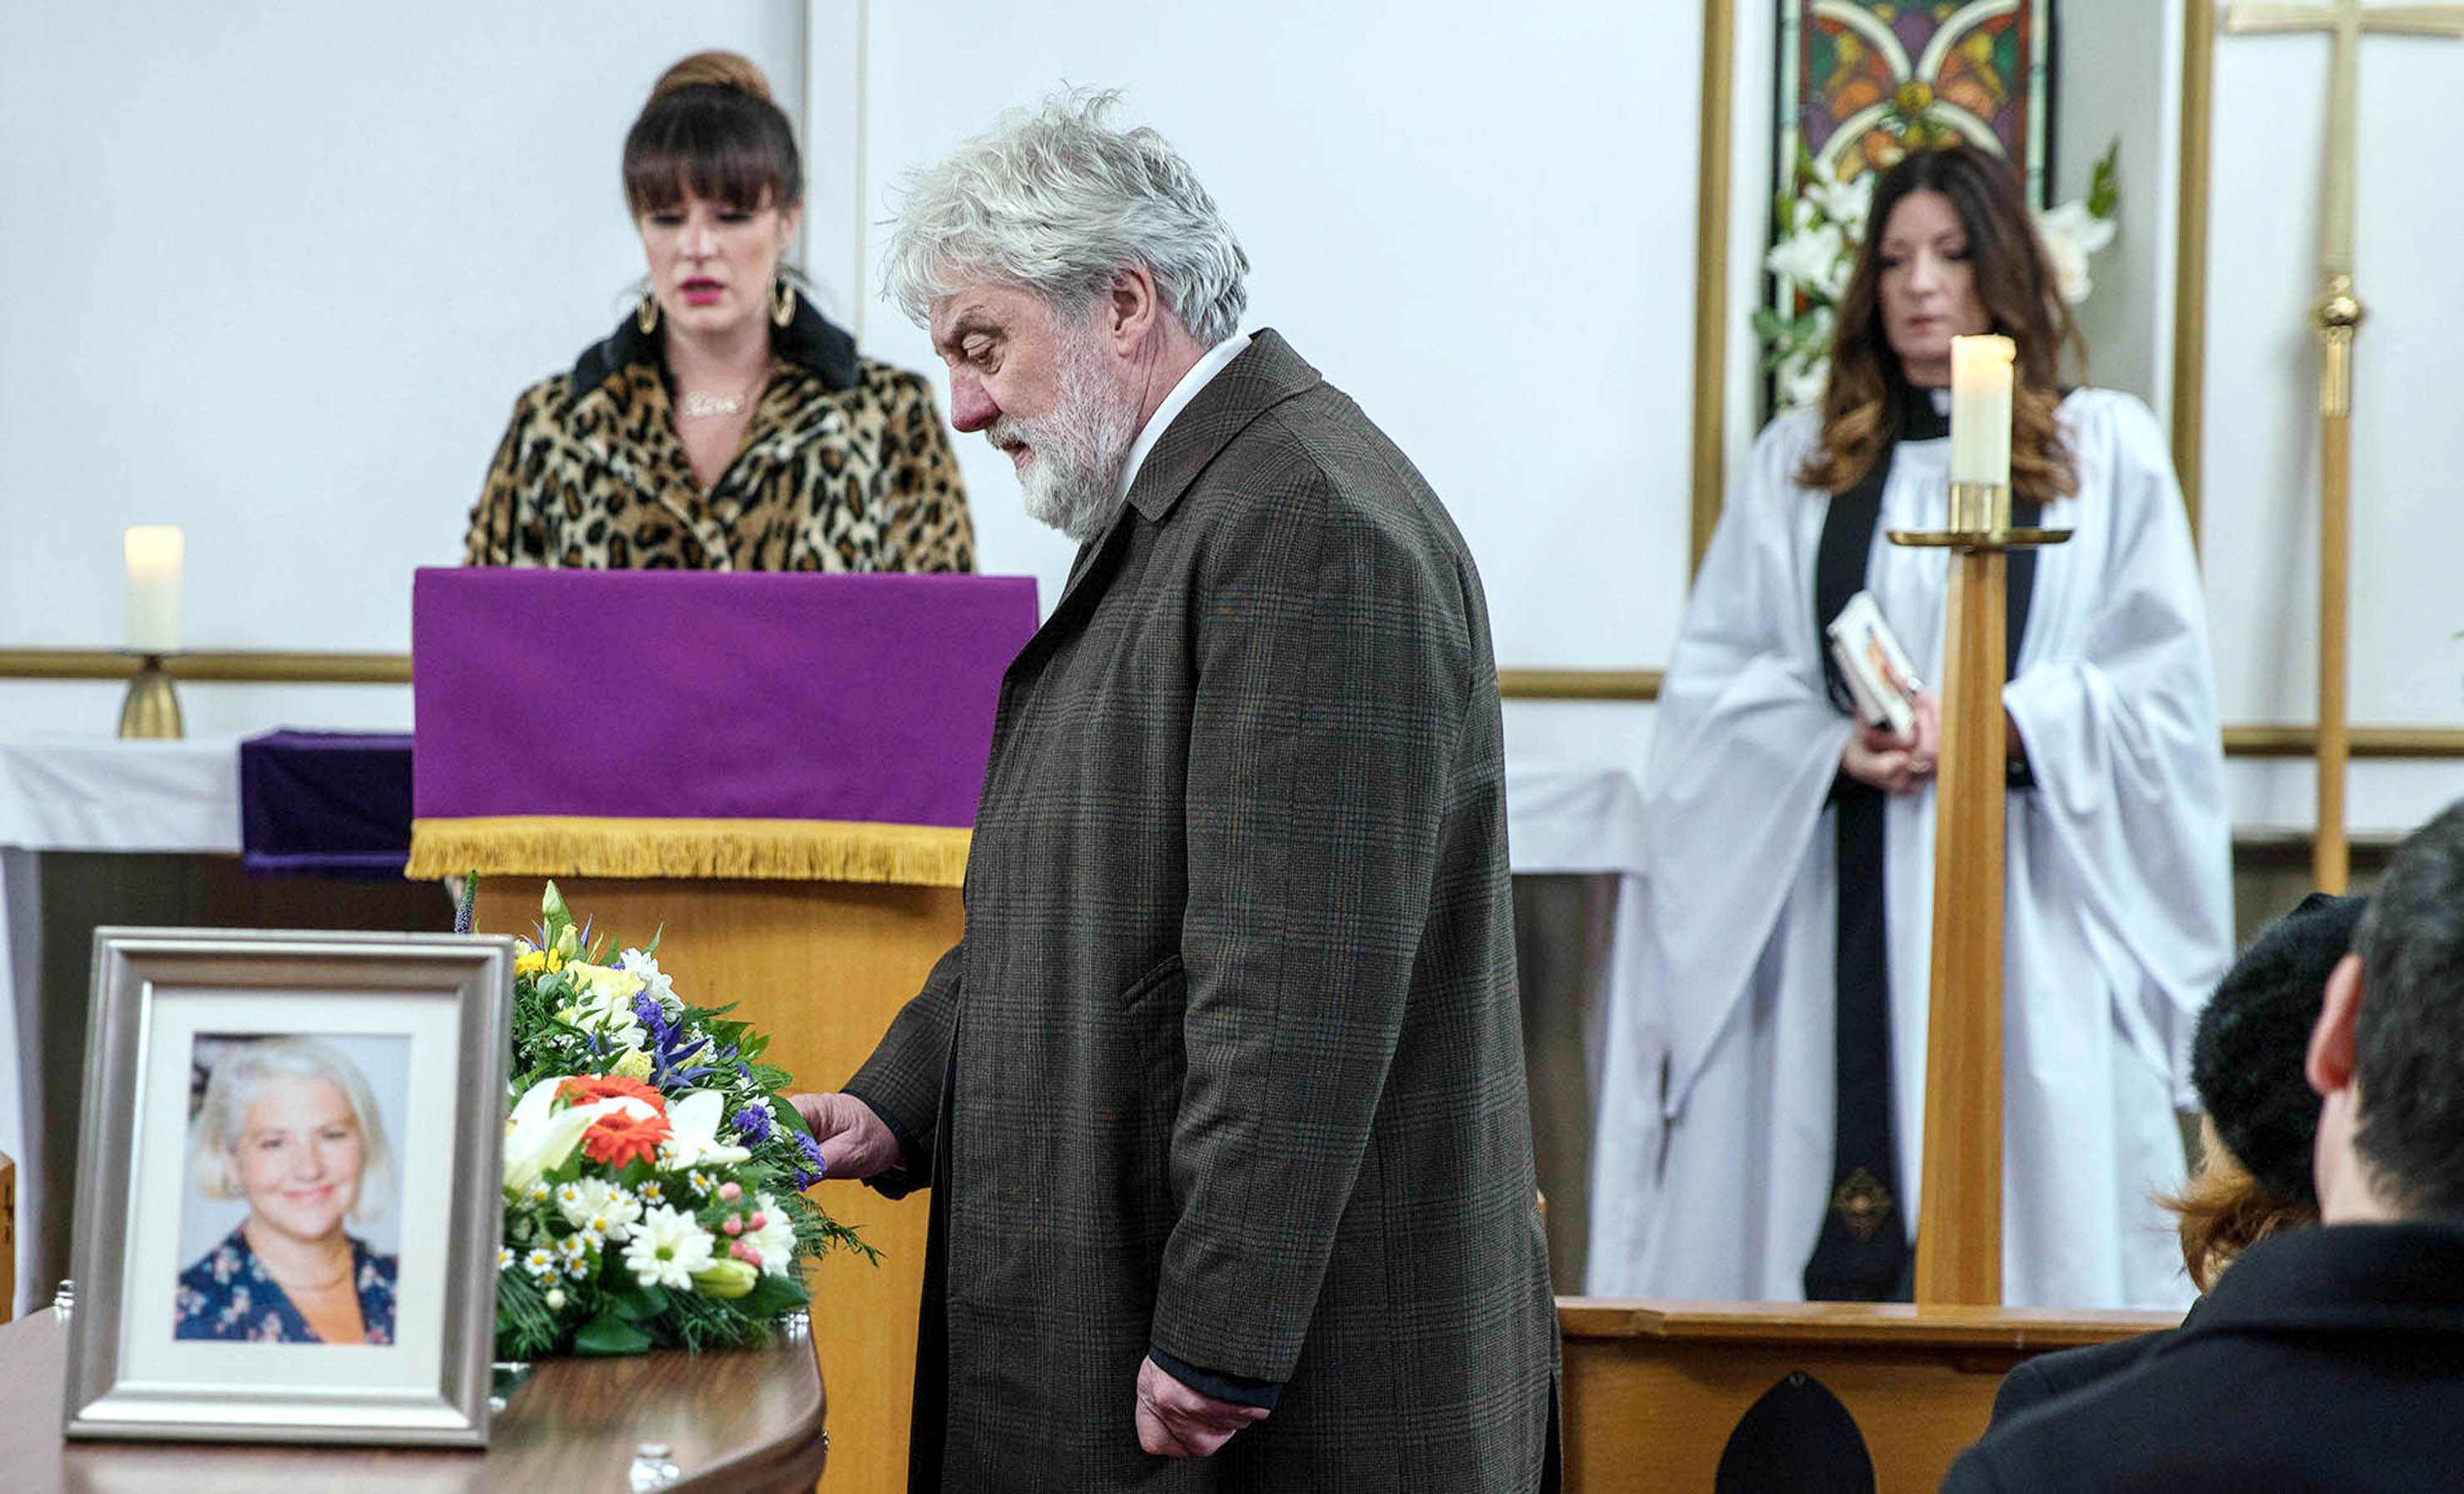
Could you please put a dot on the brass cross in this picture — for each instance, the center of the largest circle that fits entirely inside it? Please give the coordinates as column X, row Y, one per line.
column 2347, row 20
column 2337, row 316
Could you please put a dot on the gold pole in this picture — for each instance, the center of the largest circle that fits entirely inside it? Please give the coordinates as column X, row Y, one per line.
column 1959, row 1215
column 1959, row 1209
column 2191, row 254
column 2338, row 316
column 1712, row 280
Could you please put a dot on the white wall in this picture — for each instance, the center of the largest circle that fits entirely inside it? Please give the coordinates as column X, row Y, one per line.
column 275, row 273
column 2261, row 464
column 1479, row 226
column 2118, row 77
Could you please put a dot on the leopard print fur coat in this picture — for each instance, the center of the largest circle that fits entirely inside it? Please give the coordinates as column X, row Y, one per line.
column 845, row 466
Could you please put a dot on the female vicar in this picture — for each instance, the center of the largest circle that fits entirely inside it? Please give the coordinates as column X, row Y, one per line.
column 725, row 426
column 1761, row 1110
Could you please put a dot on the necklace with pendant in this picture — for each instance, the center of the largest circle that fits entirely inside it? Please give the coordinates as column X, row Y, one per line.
column 700, row 405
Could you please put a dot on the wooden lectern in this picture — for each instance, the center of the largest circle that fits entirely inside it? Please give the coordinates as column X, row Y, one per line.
column 775, row 774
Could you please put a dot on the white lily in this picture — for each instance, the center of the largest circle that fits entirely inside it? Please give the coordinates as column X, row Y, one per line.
column 1847, row 203
column 692, row 1133
column 538, row 1137
column 1815, row 257
column 2069, row 234
column 1802, row 382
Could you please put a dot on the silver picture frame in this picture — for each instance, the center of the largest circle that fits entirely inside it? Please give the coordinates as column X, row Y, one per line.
column 424, row 1382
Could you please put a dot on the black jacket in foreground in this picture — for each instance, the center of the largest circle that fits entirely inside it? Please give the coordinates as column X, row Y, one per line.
column 2328, row 1358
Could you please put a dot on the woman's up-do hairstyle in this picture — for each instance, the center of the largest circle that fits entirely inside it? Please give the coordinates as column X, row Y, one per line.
column 711, row 128
column 1055, row 203
column 2014, row 282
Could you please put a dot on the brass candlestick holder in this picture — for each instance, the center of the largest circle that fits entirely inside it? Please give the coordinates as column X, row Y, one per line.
column 152, row 707
column 1980, row 520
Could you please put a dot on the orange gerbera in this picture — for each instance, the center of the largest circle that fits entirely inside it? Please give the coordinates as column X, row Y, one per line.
column 621, row 1136
column 584, row 1088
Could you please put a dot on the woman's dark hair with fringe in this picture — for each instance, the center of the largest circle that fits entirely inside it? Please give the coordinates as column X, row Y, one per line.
column 711, row 128
column 1867, row 388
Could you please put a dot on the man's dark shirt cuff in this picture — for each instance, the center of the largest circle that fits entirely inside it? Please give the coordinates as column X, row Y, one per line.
column 895, row 1182
column 1238, row 1389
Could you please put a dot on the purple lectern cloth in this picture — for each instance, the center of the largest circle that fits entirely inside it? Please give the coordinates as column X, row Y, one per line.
column 325, row 804
column 700, row 695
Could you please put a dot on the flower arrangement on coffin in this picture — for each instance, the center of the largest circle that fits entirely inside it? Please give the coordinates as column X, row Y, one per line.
column 655, row 1174
column 1825, row 221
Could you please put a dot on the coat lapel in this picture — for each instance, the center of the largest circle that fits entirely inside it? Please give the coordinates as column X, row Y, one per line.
column 1266, row 373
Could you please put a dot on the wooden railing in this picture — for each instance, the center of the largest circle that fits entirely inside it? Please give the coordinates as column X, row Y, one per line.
column 253, row 667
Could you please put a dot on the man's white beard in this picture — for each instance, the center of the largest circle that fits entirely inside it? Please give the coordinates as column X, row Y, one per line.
column 1072, row 481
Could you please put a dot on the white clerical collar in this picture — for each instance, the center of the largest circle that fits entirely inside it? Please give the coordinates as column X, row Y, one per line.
column 1182, row 392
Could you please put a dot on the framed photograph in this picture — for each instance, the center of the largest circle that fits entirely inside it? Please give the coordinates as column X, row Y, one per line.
column 288, row 1199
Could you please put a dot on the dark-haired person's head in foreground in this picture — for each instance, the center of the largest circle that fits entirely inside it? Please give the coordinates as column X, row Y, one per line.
column 2248, row 1062
column 2260, row 1116
column 2326, row 1358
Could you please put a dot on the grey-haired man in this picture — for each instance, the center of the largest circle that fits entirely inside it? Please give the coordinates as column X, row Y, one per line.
column 1221, row 1097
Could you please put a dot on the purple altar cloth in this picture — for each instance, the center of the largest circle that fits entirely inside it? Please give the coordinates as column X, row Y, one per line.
column 325, row 804
column 658, row 694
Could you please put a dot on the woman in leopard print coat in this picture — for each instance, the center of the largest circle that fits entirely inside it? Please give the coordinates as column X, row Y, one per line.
column 725, row 426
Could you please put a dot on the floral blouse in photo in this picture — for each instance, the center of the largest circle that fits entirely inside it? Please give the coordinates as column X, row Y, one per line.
column 228, row 1295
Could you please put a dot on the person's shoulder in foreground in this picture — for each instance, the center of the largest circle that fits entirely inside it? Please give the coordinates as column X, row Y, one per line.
column 2326, row 1359
column 2329, row 1357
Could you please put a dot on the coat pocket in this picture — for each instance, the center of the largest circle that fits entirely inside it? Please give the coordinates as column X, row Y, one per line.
column 1165, row 980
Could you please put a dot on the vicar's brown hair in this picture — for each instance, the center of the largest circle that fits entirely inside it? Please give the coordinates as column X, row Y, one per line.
column 2017, row 290
column 712, row 128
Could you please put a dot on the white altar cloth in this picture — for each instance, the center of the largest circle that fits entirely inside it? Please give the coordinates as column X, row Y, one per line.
column 97, row 794
column 84, row 793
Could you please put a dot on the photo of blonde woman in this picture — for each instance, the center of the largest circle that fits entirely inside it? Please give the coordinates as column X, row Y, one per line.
column 290, row 1129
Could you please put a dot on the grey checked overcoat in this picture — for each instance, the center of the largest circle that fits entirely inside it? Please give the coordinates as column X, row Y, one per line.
column 1232, row 1046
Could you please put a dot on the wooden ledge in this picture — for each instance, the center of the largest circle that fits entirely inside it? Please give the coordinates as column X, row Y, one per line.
column 1884, row 1325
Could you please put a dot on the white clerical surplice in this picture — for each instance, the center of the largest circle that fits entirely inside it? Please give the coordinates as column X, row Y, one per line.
column 1714, row 1157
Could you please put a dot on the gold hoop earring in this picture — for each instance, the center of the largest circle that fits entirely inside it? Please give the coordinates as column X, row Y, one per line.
column 782, row 308
column 646, row 316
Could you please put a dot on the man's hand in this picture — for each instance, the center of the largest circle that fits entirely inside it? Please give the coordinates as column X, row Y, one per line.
column 1897, row 764
column 854, row 1143
column 1176, row 1421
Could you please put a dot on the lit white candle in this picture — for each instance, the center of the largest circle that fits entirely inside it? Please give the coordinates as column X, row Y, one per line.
column 1980, row 409
column 154, row 551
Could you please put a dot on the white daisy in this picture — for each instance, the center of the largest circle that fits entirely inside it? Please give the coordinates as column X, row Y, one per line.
column 540, row 1262
column 666, row 1249
column 652, row 1192
column 504, row 1258
column 774, row 1238
column 597, row 1198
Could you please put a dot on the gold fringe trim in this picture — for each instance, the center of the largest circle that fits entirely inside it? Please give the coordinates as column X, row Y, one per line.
column 771, row 850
